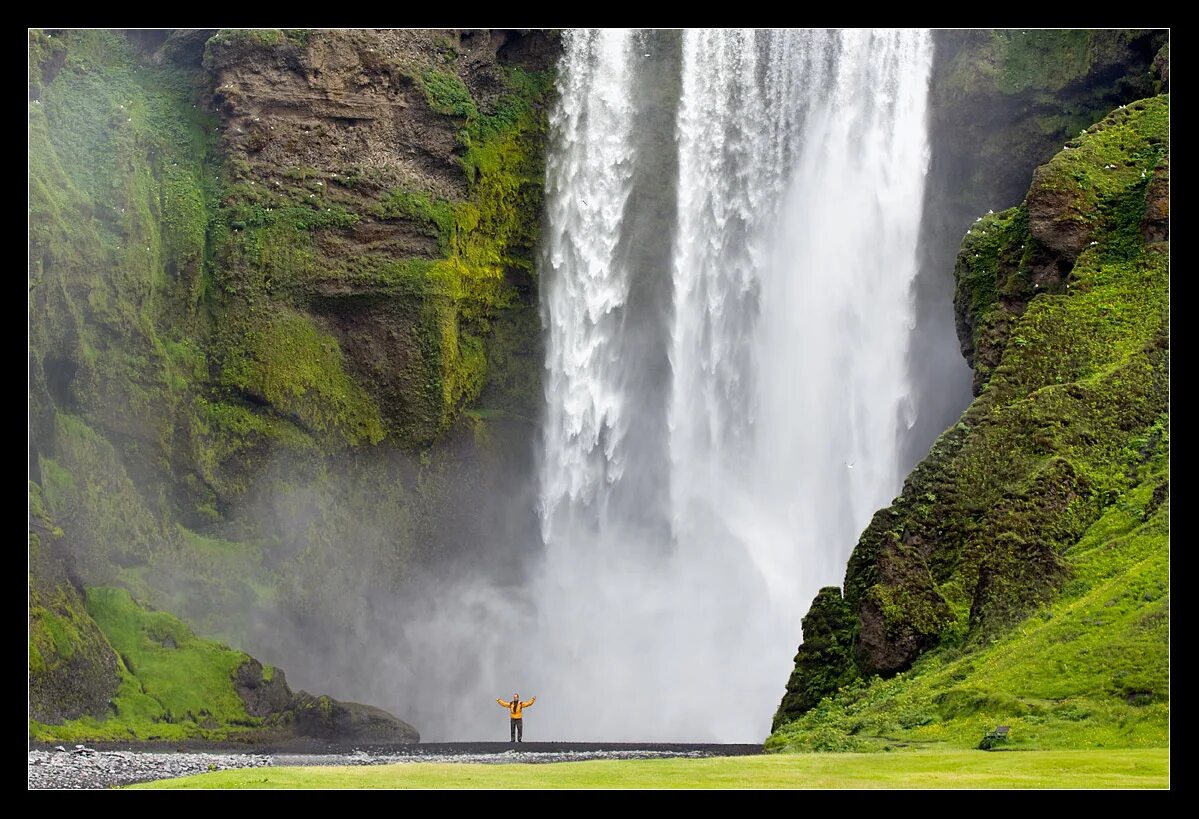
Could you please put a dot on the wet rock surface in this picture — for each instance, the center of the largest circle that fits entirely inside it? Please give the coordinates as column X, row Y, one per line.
column 85, row 767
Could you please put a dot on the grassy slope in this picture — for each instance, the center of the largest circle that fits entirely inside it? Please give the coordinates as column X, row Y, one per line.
column 1090, row 670
column 1031, row 549
column 172, row 684
column 1049, row 769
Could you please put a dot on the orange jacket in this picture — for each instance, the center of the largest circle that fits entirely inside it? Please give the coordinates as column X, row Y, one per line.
column 514, row 707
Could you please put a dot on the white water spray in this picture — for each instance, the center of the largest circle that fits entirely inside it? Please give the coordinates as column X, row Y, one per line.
column 668, row 602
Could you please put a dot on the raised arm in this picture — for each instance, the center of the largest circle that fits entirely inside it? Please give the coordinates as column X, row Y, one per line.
column 528, row 703
column 503, row 704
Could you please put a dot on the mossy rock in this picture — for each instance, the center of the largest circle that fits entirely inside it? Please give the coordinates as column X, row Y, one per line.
column 329, row 719
column 73, row 671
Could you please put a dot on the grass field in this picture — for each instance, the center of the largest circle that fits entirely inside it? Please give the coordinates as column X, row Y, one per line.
column 1125, row 768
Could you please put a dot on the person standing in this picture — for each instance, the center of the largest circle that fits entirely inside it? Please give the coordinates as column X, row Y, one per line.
column 516, row 723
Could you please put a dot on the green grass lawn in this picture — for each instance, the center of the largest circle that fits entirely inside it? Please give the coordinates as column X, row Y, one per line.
column 1124, row 768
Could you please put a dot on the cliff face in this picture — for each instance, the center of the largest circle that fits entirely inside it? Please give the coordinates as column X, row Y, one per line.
column 72, row 669
column 282, row 297
column 1046, row 500
column 1001, row 103
column 400, row 174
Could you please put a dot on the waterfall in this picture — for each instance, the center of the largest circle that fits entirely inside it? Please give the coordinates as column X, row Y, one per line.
column 727, row 315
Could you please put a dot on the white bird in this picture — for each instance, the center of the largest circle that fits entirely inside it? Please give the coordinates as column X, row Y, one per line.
column 979, row 219
column 848, row 465
column 1094, row 243
column 989, row 212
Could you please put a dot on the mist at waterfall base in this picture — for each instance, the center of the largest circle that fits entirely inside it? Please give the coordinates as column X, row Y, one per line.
column 728, row 259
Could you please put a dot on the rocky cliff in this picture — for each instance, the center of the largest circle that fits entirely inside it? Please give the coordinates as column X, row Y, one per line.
column 1021, row 575
column 282, row 296
column 1001, row 103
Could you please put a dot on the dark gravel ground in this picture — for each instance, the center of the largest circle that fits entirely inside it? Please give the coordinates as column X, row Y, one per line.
column 109, row 765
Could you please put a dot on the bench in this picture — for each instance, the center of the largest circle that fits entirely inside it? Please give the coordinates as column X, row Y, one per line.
column 993, row 738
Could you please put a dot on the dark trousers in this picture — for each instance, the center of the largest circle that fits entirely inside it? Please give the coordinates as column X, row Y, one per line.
column 518, row 730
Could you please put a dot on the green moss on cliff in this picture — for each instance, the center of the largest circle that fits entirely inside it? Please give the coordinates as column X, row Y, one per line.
column 72, row 669
column 1004, row 516
column 173, row 684
column 1004, row 101
column 486, row 275
column 1036, row 60
column 189, row 677
column 296, row 368
column 294, row 244
column 120, row 198
column 447, row 94
column 1084, row 209
column 88, row 489
column 825, row 660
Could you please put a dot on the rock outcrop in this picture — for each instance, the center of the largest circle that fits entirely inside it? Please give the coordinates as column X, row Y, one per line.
column 72, row 668
column 329, row 719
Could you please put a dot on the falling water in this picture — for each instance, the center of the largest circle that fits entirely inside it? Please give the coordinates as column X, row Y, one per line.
column 727, row 319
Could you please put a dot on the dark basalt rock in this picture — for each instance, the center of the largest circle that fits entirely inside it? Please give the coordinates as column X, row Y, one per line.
column 261, row 696
column 1155, row 226
column 825, row 660
column 329, row 719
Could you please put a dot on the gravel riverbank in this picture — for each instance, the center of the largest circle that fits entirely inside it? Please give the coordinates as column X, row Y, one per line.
column 84, row 767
